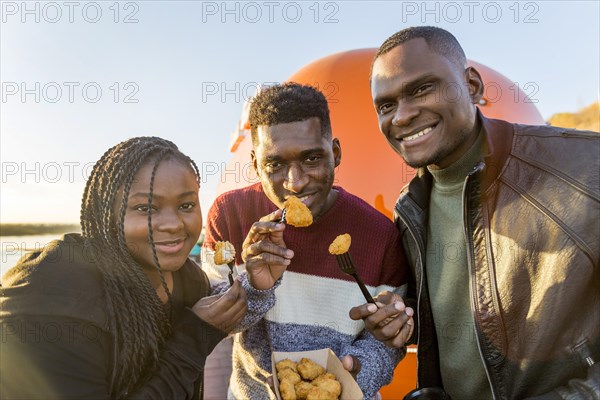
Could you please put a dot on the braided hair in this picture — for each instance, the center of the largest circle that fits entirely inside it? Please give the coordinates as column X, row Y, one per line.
column 137, row 319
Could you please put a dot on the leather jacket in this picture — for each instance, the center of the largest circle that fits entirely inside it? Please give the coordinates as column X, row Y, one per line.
column 531, row 212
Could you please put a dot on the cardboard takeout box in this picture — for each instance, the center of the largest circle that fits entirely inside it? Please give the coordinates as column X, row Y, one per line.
column 327, row 359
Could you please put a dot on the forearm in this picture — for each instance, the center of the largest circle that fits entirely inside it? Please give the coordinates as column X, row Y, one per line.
column 259, row 303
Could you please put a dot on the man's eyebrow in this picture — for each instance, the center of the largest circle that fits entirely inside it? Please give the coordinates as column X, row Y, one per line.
column 302, row 154
column 308, row 152
column 406, row 87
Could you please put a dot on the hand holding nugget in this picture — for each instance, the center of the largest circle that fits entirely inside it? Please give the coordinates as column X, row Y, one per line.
column 223, row 311
column 265, row 252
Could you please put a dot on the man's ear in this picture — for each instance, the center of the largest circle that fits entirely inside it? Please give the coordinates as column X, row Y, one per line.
column 337, row 151
column 475, row 84
column 254, row 162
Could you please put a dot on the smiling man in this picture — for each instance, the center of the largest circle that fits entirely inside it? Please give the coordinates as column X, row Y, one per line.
column 298, row 297
column 502, row 233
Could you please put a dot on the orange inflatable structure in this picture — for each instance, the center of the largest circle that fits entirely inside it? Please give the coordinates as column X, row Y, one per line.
column 370, row 168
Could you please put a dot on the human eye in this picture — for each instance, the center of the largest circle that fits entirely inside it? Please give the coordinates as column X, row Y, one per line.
column 144, row 209
column 313, row 159
column 187, row 206
column 384, row 108
column 273, row 166
column 423, row 88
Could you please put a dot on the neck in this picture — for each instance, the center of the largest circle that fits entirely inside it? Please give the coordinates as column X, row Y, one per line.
column 461, row 149
column 154, row 277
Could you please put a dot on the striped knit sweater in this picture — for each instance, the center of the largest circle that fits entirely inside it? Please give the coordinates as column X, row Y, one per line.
column 308, row 307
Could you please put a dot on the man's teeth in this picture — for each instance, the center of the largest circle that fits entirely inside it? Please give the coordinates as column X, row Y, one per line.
column 418, row 134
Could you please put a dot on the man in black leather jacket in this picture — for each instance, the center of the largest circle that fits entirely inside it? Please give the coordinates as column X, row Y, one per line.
column 501, row 225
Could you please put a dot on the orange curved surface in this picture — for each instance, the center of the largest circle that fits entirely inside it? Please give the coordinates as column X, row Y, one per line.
column 370, row 168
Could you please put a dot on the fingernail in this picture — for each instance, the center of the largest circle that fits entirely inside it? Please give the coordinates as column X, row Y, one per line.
column 372, row 308
column 287, row 262
column 410, row 312
column 289, row 253
column 398, row 306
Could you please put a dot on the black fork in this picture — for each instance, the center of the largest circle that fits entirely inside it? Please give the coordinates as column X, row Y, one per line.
column 347, row 267
column 283, row 214
column 231, row 266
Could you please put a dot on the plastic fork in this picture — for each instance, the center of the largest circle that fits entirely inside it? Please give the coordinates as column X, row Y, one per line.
column 347, row 266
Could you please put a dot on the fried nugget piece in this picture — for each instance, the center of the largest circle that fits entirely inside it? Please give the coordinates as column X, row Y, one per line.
column 302, row 389
column 332, row 386
column 224, row 253
column 286, row 388
column 288, row 375
column 327, row 375
column 297, row 214
column 309, row 369
column 286, row 363
column 316, row 393
column 340, row 244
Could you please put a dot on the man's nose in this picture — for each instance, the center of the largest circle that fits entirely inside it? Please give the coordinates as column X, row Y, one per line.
column 404, row 114
column 295, row 179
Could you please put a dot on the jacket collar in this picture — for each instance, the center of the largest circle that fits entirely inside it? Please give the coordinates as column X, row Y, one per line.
column 499, row 138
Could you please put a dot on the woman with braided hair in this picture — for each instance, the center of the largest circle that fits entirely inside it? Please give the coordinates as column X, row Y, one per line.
column 118, row 311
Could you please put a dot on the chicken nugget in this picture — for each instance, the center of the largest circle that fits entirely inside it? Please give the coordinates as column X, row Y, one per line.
column 332, row 386
column 319, row 378
column 316, row 393
column 340, row 244
column 286, row 363
column 309, row 369
column 224, row 253
column 302, row 389
column 286, row 389
column 297, row 214
column 288, row 375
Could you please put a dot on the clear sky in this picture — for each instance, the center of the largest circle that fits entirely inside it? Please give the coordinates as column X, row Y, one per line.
column 79, row 77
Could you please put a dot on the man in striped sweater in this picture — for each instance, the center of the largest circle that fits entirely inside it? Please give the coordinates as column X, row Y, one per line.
column 298, row 299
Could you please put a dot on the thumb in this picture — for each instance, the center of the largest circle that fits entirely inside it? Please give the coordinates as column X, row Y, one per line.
column 348, row 363
column 351, row 364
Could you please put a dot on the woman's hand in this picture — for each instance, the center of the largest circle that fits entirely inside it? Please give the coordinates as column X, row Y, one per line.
column 223, row 311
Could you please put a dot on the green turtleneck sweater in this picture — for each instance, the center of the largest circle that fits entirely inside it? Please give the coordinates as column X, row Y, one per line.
column 462, row 369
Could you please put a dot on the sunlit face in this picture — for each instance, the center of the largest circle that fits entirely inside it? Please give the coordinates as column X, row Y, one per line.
column 425, row 104
column 176, row 215
column 296, row 159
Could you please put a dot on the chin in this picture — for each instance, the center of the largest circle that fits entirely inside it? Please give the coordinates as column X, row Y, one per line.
column 172, row 264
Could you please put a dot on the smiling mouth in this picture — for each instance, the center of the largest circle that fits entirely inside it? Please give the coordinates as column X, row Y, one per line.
column 418, row 134
column 170, row 246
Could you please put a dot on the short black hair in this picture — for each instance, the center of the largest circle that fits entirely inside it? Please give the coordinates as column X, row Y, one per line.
column 288, row 102
column 439, row 40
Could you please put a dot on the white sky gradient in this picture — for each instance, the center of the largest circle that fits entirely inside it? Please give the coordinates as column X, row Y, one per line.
column 167, row 52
